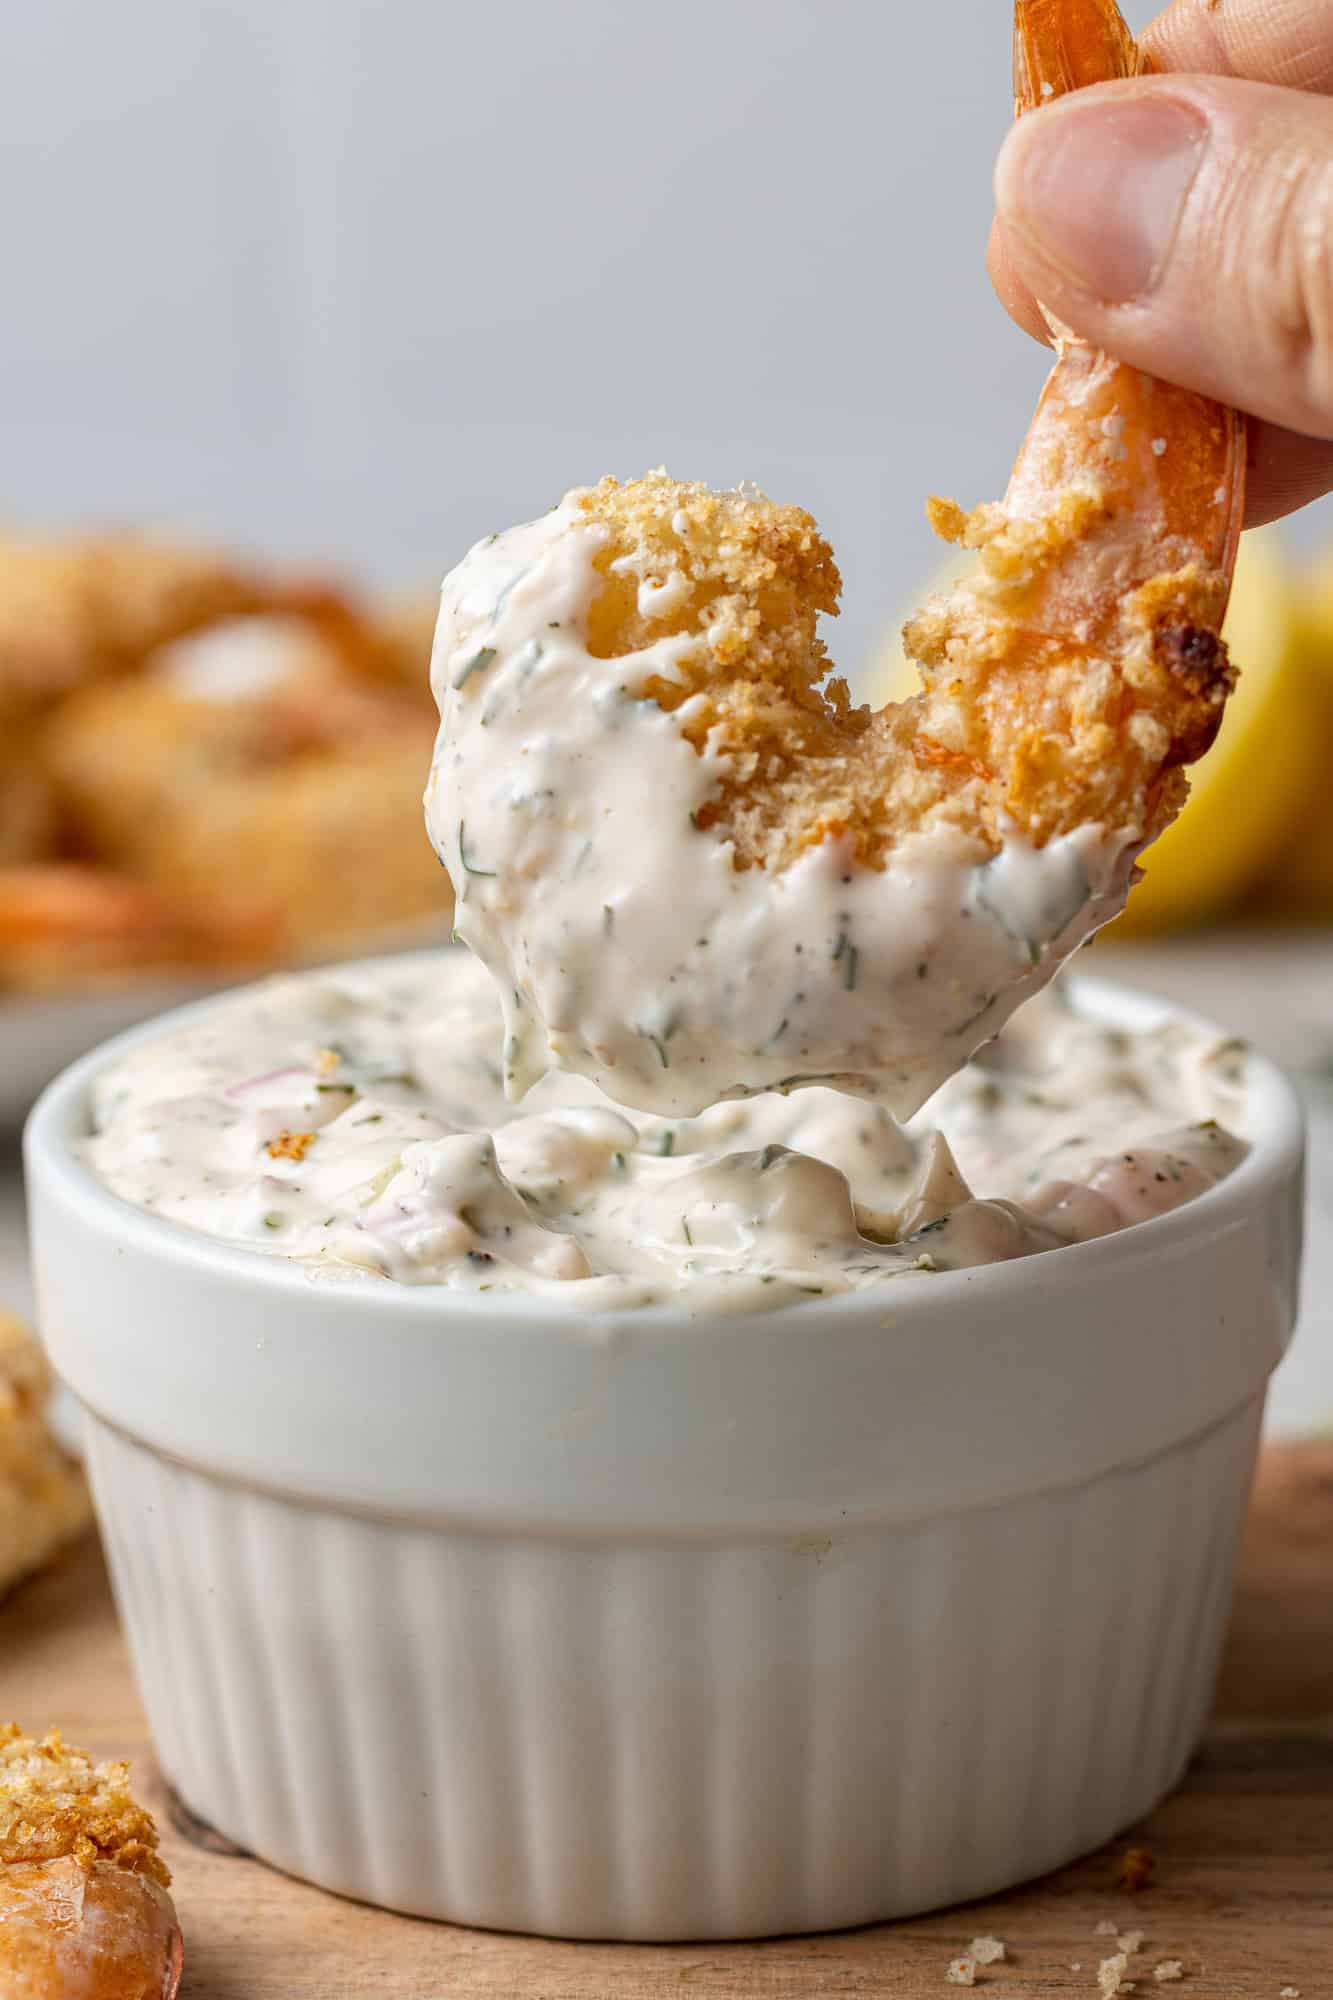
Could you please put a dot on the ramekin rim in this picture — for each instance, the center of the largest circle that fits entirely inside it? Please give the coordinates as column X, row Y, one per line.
column 49, row 1150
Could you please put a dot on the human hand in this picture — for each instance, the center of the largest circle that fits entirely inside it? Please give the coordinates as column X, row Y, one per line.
column 1184, row 222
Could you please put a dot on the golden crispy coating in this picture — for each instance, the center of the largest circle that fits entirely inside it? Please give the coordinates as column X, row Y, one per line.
column 751, row 579
column 55, row 1801
column 1067, row 679
column 43, row 1498
column 758, row 574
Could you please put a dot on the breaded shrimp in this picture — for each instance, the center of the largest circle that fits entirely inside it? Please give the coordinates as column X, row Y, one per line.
column 64, row 923
column 129, row 759
column 77, row 610
column 696, row 869
column 72, row 611
column 43, row 1496
column 327, row 851
column 250, row 793
column 84, row 1909
column 27, row 810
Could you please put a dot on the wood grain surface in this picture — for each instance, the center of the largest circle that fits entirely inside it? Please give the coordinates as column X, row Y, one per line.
column 1242, row 1890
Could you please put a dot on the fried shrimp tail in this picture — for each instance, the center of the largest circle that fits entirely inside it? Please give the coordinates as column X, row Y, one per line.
column 84, row 1908
column 697, row 869
column 1104, row 572
column 1062, row 45
column 1168, row 465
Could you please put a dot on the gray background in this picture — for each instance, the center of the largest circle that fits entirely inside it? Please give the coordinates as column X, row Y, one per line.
column 361, row 280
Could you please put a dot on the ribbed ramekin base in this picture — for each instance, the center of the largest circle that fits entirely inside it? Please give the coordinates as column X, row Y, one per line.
column 629, row 1739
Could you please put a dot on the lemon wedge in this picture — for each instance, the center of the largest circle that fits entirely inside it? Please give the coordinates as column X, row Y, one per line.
column 1298, row 881
column 1257, row 781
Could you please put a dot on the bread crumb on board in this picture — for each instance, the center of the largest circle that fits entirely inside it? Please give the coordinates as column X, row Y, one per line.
column 986, row 1951
column 1169, row 1969
column 962, row 1972
column 1111, row 1976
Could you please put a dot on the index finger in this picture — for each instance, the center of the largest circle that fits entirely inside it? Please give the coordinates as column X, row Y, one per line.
column 1010, row 289
column 1288, row 42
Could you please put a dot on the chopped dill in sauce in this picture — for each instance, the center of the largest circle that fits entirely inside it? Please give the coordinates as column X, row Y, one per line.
column 480, row 660
column 566, row 791
column 383, row 1088
column 469, row 866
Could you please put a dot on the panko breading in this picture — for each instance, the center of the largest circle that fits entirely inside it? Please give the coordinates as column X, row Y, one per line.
column 1018, row 726
column 84, row 1909
column 43, row 1498
column 55, row 1801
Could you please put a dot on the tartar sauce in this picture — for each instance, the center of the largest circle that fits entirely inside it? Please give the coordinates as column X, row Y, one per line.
column 357, row 1120
column 624, row 942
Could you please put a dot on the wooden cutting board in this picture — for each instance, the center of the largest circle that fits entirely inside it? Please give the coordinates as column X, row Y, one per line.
column 1242, row 1890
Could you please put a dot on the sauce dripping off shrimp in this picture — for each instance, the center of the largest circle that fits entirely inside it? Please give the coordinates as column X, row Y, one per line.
column 695, row 869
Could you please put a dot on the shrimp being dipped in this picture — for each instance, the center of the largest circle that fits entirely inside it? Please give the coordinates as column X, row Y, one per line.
column 696, row 870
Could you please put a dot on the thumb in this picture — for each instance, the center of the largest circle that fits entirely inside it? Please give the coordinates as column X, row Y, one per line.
column 1186, row 225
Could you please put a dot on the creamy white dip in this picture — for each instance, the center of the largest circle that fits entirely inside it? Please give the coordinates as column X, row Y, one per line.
column 357, row 1120
column 624, row 942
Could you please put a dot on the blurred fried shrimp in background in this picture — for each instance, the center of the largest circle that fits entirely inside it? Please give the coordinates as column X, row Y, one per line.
column 167, row 717
column 63, row 923
column 404, row 637
column 330, row 847
column 74, row 611
column 43, row 1499
column 27, row 809
column 129, row 758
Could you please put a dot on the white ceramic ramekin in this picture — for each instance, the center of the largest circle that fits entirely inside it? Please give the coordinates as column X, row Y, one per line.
column 646, row 1626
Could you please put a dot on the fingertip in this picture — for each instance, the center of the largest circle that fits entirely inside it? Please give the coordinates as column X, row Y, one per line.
column 1286, row 470
column 1014, row 295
